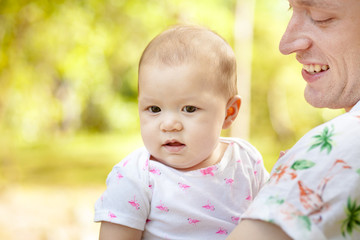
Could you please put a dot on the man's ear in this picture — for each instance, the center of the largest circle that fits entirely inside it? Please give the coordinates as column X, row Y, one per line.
column 232, row 110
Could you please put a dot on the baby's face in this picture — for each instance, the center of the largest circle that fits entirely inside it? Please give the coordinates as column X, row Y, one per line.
column 181, row 115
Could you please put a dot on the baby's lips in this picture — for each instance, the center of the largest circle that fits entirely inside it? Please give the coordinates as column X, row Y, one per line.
column 173, row 143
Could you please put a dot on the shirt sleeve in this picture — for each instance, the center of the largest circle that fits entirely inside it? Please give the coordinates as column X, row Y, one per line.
column 260, row 174
column 126, row 200
column 313, row 191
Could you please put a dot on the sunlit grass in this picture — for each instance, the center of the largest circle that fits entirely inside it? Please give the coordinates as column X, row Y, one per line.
column 79, row 160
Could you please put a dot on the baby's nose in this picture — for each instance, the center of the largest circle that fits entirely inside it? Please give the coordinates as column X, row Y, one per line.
column 171, row 124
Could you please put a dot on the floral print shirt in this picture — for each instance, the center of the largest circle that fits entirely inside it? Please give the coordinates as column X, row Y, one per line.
column 314, row 189
column 166, row 203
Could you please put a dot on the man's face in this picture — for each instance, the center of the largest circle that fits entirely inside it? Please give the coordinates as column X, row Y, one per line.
column 325, row 35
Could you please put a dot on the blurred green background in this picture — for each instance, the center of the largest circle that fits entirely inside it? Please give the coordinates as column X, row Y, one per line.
column 68, row 89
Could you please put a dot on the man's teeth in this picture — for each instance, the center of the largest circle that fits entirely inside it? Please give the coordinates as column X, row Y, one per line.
column 315, row 68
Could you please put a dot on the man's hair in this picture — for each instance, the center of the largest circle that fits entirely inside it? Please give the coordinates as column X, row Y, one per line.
column 186, row 44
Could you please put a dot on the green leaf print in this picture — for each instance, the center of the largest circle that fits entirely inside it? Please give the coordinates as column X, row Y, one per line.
column 275, row 200
column 305, row 221
column 302, row 164
column 323, row 140
column 358, row 171
column 352, row 222
column 271, row 221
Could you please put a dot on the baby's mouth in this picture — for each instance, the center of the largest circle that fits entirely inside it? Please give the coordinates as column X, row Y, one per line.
column 315, row 68
column 173, row 146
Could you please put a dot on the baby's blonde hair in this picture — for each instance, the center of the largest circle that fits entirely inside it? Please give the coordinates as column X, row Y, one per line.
column 185, row 44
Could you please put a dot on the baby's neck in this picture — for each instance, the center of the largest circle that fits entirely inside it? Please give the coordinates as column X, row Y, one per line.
column 213, row 159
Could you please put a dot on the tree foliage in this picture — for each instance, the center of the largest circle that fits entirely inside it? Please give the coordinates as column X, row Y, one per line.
column 69, row 66
column 72, row 65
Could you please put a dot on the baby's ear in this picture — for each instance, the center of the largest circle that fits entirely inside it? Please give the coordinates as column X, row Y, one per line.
column 232, row 110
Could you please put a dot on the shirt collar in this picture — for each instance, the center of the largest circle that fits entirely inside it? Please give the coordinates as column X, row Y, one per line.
column 356, row 107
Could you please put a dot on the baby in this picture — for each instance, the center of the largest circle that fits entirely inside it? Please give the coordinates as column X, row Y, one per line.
column 187, row 182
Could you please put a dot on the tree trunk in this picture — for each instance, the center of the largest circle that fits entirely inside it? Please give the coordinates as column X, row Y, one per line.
column 244, row 21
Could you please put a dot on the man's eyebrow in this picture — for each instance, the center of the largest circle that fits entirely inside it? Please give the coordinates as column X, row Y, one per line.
column 326, row 4
column 310, row 3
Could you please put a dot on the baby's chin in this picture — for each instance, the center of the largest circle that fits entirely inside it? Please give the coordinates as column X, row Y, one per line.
column 169, row 163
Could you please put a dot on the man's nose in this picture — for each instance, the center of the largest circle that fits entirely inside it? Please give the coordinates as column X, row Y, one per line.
column 171, row 124
column 295, row 38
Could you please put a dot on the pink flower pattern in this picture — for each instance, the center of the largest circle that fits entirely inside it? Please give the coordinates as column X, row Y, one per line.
column 209, row 206
column 229, row 181
column 193, row 221
column 147, row 166
column 134, row 203
column 222, row 231
column 208, row 171
column 183, row 186
column 235, row 219
column 112, row 215
column 154, row 171
column 125, row 162
column 162, row 207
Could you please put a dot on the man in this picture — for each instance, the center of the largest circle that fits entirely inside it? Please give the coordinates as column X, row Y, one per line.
column 314, row 190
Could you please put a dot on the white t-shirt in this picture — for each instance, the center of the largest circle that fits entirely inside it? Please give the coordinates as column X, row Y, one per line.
column 314, row 189
column 166, row 203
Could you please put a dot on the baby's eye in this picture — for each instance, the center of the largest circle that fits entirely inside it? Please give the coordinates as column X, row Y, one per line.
column 190, row 109
column 154, row 109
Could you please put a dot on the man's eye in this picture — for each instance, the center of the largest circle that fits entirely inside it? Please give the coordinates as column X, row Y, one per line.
column 322, row 22
column 154, row 109
column 189, row 109
column 320, row 18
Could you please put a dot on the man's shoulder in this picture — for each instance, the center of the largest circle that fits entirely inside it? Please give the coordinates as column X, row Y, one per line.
column 347, row 123
column 339, row 134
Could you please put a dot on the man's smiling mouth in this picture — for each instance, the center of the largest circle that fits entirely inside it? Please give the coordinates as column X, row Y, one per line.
column 315, row 68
